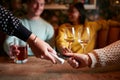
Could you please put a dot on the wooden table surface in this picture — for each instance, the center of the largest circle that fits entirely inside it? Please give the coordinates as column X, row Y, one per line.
column 37, row 69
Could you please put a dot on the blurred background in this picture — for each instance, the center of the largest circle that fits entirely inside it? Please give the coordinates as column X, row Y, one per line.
column 56, row 13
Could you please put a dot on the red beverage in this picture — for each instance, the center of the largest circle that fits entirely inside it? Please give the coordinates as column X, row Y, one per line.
column 20, row 57
column 23, row 53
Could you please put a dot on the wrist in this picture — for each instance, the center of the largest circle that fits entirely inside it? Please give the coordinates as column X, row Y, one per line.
column 32, row 39
column 89, row 60
column 35, row 39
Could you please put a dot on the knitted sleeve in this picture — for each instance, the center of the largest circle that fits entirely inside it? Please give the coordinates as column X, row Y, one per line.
column 11, row 25
column 109, row 55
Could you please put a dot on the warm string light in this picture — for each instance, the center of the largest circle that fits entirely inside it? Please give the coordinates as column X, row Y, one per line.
column 117, row 1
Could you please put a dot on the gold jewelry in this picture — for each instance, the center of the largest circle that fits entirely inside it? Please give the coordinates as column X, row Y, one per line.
column 35, row 39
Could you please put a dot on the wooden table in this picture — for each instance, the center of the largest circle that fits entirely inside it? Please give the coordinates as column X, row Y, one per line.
column 37, row 69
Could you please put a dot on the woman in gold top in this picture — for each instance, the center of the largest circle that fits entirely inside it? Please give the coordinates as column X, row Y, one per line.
column 77, row 18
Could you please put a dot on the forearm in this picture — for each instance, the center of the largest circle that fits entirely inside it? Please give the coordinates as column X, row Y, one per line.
column 109, row 55
column 11, row 25
column 22, row 33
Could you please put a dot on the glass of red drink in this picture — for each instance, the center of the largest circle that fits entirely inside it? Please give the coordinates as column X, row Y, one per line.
column 22, row 56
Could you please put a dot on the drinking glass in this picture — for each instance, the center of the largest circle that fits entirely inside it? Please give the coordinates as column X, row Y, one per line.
column 69, row 35
column 22, row 56
column 84, row 37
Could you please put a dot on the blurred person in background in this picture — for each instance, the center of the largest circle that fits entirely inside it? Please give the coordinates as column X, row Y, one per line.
column 77, row 19
column 12, row 26
column 33, row 22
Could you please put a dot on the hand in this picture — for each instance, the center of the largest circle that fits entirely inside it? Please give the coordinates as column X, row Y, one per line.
column 65, row 51
column 14, row 50
column 41, row 48
column 78, row 60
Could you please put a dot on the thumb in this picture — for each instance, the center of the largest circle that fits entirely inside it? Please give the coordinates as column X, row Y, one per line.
column 70, row 54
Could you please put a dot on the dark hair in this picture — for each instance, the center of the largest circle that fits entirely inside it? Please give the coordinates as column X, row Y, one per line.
column 26, row 1
column 80, row 7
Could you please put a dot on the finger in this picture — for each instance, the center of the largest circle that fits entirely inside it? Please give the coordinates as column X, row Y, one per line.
column 52, row 51
column 81, row 59
column 16, row 52
column 70, row 54
column 42, row 57
column 50, row 57
column 67, row 50
column 69, row 60
column 76, row 64
column 64, row 51
column 72, row 63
